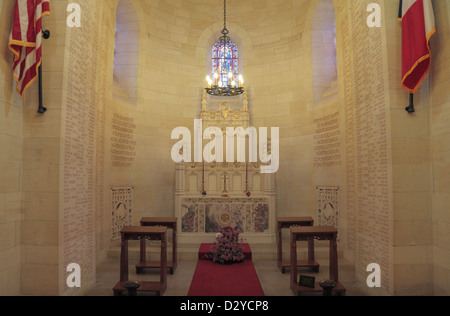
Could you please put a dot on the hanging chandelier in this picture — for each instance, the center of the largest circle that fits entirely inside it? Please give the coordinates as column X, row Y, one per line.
column 224, row 82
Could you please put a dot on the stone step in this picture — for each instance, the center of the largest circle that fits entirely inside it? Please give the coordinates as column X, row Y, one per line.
column 190, row 251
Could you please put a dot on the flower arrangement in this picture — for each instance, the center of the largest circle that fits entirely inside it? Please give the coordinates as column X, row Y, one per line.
column 227, row 248
column 249, row 194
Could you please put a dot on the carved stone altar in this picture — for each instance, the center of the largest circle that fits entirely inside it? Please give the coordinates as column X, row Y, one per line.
column 210, row 196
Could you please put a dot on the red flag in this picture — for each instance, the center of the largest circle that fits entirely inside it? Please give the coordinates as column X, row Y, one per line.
column 25, row 41
column 418, row 26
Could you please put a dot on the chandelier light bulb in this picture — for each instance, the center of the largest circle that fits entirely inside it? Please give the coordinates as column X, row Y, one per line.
column 241, row 81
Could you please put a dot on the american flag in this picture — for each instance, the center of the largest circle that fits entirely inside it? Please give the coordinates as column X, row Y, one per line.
column 26, row 41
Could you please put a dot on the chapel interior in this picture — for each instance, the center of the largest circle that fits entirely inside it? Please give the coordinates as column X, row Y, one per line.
column 116, row 88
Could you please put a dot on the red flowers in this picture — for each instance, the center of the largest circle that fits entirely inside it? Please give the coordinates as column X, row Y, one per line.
column 227, row 249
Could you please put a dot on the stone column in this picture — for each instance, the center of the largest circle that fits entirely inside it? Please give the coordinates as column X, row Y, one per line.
column 180, row 189
column 270, row 193
column 180, row 178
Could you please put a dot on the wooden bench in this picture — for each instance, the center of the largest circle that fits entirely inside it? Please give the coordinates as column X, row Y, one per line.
column 170, row 223
column 288, row 222
column 308, row 234
column 140, row 233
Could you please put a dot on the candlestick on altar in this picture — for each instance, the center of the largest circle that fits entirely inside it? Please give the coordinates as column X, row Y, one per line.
column 225, row 183
column 203, row 178
column 246, row 178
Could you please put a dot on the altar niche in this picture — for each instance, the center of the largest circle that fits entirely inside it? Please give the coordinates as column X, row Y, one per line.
column 220, row 190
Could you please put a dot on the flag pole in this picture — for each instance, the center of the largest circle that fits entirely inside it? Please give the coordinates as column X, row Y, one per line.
column 42, row 109
column 410, row 109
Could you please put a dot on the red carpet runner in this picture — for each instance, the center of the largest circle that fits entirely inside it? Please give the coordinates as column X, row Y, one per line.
column 213, row 279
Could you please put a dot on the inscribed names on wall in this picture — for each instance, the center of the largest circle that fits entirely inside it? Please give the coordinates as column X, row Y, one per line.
column 123, row 143
column 367, row 201
column 350, row 138
column 103, row 74
column 327, row 143
column 80, row 130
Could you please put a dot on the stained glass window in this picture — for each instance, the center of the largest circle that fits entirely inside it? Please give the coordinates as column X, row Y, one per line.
column 225, row 60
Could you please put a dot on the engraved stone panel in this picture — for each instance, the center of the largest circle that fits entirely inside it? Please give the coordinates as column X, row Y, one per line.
column 328, row 206
column 122, row 210
column 123, row 143
column 367, row 145
column 84, row 97
column 327, row 141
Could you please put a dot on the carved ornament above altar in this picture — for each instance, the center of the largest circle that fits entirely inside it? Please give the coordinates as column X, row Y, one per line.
column 235, row 114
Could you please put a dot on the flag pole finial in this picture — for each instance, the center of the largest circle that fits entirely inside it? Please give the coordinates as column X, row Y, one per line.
column 410, row 109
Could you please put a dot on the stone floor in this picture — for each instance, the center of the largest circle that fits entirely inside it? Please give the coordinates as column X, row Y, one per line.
column 273, row 282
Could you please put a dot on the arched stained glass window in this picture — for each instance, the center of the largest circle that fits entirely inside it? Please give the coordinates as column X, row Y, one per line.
column 225, row 61
column 324, row 52
column 126, row 52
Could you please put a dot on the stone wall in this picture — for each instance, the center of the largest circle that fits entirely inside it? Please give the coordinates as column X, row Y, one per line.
column 411, row 178
column 11, row 164
column 440, row 151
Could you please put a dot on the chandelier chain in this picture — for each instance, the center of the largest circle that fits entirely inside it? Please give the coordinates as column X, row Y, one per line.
column 225, row 14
